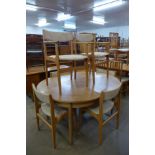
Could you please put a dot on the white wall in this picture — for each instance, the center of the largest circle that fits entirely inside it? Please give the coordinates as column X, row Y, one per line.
column 38, row 30
column 122, row 30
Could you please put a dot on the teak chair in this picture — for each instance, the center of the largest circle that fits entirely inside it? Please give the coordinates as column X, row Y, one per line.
column 117, row 67
column 55, row 38
column 109, row 105
column 45, row 103
column 102, row 66
column 86, row 45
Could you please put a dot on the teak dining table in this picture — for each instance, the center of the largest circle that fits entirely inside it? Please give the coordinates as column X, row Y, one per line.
column 75, row 94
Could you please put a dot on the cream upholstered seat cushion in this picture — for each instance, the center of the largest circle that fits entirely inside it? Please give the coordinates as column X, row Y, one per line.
column 107, row 106
column 45, row 107
column 97, row 54
column 123, row 49
column 70, row 57
column 84, row 37
column 54, row 68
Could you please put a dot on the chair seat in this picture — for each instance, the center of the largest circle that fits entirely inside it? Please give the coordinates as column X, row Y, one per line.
column 122, row 56
column 97, row 54
column 54, row 68
column 107, row 106
column 45, row 107
column 70, row 57
column 123, row 49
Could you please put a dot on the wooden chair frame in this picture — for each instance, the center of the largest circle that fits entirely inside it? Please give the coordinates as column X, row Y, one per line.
column 38, row 98
column 88, row 45
column 55, row 42
column 115, row 112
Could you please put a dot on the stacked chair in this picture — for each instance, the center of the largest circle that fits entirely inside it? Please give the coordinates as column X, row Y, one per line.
column 85, row 45
column 54, row 38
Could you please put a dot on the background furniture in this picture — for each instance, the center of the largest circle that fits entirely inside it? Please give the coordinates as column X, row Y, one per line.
column 34, row 50
column 114, row 40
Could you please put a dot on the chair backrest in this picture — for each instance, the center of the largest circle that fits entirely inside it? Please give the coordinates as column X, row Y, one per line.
column 57, row 36
column 43, row 98
column 85, row 37
column 116, row 66
column 114, row 94
column 86, row 42
column 50, row 37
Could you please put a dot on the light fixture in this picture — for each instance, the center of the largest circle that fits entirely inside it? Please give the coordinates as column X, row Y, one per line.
column 62, row 16
column 106, row 4
column 98, row 20
column 42, row 22
column 31, row 7
column 69, row 25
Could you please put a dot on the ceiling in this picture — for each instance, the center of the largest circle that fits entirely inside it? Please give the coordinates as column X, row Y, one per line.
column 81, row 9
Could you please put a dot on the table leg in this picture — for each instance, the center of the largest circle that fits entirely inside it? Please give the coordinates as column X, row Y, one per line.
column 93, row 69
column 70, row 124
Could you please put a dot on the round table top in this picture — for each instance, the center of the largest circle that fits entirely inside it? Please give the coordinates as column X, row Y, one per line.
column 75, row 90
column 70, row 57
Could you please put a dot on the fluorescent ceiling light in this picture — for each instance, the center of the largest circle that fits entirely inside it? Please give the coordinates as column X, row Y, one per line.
column 70, row 26
column 106, row 4
column 62, row 16
column 31, row 8
column 98, row 20
column 42, row 22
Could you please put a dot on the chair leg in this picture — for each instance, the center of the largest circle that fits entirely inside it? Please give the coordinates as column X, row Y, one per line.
column 74, row 119
column 80, row 118
column 46, row 74
column 118, row 114
column 117, row 121
column 59, row 80
column 70, row 125
column 53, row 132
column 100, row 133
column 86, row 67
column 37, row 118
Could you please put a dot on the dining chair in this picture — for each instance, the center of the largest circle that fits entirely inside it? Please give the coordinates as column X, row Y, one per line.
column 55, row 39
column 114, row 68
column 117, row 66
column 45, row 106
column 108, row 105
column 102, row 65
column 85, row 45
